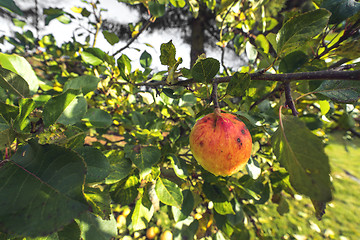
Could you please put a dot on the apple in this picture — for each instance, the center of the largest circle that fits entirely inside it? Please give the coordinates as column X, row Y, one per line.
column 167, row 235
column 152, row 232
column 221, row 143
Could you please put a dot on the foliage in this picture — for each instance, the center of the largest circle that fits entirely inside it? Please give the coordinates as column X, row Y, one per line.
column 92, row 148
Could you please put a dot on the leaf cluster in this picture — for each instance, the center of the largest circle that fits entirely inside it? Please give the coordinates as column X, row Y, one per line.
column 92, row 148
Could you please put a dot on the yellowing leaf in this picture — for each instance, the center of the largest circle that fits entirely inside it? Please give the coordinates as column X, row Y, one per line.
column 76, row 9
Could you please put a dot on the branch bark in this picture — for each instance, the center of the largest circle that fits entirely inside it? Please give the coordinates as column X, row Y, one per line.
column 285, row 77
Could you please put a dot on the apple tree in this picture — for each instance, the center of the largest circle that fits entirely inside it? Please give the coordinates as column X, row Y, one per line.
column 92, row 148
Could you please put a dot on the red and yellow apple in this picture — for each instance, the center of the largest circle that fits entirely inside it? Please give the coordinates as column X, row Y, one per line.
column 221, row 143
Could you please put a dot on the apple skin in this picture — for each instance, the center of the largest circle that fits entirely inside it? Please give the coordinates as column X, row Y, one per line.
column 221, row 143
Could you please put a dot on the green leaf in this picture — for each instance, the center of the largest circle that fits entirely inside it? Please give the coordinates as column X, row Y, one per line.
column 74, row 137
column 98, row 167
column 7, row 135
column 52, row 13
column 350, row 50
column 219, row 235
column 340, row 9
column 147, row 97
column 11, row 6
column 291, row 62
column 250, row 188
column 156, row 9
column 145, row 158
column 22, row 67
column 64, row 19
column 319, row 208
column 187, row 206
column 304, row 159
column 46, row 177
column 97, row 118
column 92, row 57
column 125, row 191
column 295, row 32
column 186, row 229
column 18, row 23
column 214, row 192
column 67, row 108
column 223, row 224
column 271, row 37
column 179, row 166
column 168, row 53
column 13, row 83
column 71, row 231
column 26, row 106
column 223, row 208
column 99, row 200
column 124, row 66
column 238, row 84
column 205, row 70
column 85, row 12
column 280, row 181
column 95, row 228
column 120, row 167
column 145, row 59
column 112, row 38
column 172, row 74
column 142, row 213
column 9, row 112
column 262, row 43
column 324, row 106
column 237, row 219
column 84, row 83
column 168, row 192
column 138, row 119
column 283, row 206
column 178, row 3
column 340, row 91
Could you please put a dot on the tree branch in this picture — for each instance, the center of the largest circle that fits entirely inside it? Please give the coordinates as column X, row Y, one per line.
column 285, row 77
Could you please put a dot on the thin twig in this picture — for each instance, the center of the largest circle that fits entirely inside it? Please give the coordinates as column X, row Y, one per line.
column 222, row 61
column 338, row 66
column 289, row 101
column 134, row 38
column 349, row 32
column 266, row 96
column 257, row 230
column 98, row 23
column 37, row 19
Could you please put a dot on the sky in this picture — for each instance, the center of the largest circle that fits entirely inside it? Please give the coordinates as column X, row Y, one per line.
column 118, row 12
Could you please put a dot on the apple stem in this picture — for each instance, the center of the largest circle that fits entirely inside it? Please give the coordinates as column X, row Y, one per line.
column 214, row 98
column 217, row 112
